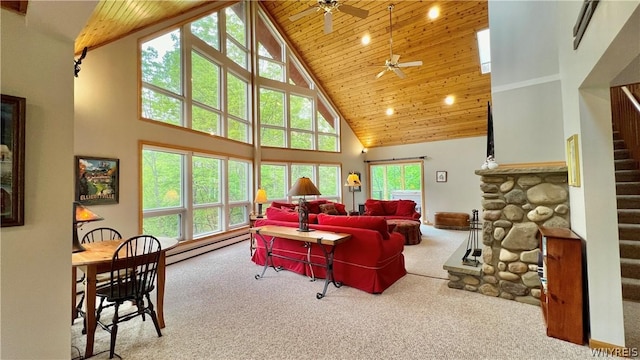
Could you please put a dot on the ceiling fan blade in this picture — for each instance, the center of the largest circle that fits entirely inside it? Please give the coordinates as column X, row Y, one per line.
column 300, row 15
column 394, row 59
column 399, row 72
column 348, row 9
column 380, row 74
column 328, row 22
column 410, row 63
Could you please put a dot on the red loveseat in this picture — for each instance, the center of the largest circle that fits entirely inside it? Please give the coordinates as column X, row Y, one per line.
column 392, row 209
column 371, row 260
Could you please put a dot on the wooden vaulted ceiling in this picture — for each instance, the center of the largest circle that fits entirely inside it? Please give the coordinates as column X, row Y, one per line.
column 347, row 70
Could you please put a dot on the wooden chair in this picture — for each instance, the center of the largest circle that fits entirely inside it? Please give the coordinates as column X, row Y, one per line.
column 99, row 234
column 132, row 278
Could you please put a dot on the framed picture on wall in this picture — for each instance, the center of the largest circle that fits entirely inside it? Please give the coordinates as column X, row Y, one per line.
column 97, row 180
column 573, row 161
column 441, row 176
column 12, row 134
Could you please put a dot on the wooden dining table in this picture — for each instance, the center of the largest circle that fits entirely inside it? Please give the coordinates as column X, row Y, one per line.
column 97, row 259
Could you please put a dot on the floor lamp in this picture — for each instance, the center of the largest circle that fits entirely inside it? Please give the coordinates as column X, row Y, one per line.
column 353, row 182
column 303, row 186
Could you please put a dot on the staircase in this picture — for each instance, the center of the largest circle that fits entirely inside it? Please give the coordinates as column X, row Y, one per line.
column 628, row 200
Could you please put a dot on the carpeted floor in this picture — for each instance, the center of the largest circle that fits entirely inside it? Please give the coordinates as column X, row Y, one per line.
column 215, row 309
column 428, row 257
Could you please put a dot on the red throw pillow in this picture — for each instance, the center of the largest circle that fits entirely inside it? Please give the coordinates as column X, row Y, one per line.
column 362, row 222
column 374, row 208
column 341, row 208
column 406, row 208
column 274, row 213
column 281, row 205
column 390, row 207
column 314, row 206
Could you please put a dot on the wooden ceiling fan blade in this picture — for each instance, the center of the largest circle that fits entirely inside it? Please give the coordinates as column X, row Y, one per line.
column 410, row 63
column 351, row 10
column 394, row 59
column 328, row 22
column 399, row 72
column 380, row 74
column 300, row 15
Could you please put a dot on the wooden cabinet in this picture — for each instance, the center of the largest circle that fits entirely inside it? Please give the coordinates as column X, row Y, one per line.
column 561, row 275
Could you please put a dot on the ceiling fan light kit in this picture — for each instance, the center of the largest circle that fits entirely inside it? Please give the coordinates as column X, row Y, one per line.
column 392, row 64
column 329, row 6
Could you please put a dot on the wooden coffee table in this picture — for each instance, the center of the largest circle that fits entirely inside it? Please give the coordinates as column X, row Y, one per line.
column 409, row 229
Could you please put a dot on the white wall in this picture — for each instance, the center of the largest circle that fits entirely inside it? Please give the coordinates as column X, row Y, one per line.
column 459, row 158
column 35, row 259
column 543, row 92
column 609, row 46
column 525, row 83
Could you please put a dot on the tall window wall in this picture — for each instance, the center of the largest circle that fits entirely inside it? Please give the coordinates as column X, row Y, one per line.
column 277, row 178
column 197, row 76
column 188, row 195
column 200, row 76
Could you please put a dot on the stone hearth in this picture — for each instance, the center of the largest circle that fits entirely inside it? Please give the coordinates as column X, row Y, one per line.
column 515, row 202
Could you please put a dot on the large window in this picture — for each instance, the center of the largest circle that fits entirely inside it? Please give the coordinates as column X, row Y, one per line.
column 198, row 76
column 184, row 194
column 389, row 178
column 278, row 178
column 201, row 86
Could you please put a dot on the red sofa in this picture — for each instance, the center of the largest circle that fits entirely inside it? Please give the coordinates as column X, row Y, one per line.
column 371, row 260
column 392, row 209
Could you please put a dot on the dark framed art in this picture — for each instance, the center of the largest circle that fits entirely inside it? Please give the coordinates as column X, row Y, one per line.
column 441, row 176
column 97, row 180
column 12, row 131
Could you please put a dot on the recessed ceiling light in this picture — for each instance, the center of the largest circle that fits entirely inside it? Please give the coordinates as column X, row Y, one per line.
column 366, row 39
column 449, row 100
column 390, row 111
column 433, row 13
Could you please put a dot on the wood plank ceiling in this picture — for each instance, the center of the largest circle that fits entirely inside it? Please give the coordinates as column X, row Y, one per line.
column 347, row 70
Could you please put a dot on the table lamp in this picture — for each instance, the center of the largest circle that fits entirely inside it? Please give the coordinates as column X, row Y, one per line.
column 303, row 186
column 81, row 215
column 261, row 198
column 353, row 181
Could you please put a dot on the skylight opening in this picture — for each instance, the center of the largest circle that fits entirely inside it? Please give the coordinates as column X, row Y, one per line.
column 484, row 49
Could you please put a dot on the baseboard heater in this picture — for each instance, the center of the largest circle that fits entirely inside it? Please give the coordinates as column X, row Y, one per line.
column 180, row 254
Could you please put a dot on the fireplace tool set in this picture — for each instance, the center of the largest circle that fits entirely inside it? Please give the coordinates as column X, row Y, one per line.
column 472, row 242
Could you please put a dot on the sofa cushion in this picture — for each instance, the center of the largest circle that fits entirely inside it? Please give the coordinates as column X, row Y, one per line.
column 281, row 205
column 288, row 215
column 374, row 208
column 329, row 209
column 390, row 207
column 363, row 222
column 405, row 208
column 314, row 206
column 341, row 208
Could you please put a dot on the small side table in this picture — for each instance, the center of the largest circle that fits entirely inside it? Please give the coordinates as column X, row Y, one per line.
column 409, row 229
column 252, row 240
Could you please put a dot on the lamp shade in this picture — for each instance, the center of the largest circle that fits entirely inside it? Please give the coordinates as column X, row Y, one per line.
column 303, row 186
column 261, row 197
column 353, row 180
column 82, row 214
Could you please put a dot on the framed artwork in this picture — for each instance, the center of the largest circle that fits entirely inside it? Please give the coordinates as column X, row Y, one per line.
column 12, row 131
column 441, row 176
column 573, row 161
column 97, row 180
column 356, row 188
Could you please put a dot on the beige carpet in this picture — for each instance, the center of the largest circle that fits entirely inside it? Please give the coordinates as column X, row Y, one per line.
column 428, row 257
column 215, row 309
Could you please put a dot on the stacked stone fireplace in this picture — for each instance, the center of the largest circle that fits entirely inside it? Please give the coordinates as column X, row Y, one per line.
column 515, row 201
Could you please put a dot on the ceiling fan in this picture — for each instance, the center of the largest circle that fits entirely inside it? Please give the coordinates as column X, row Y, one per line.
column 329, row 6
column 392, row 64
